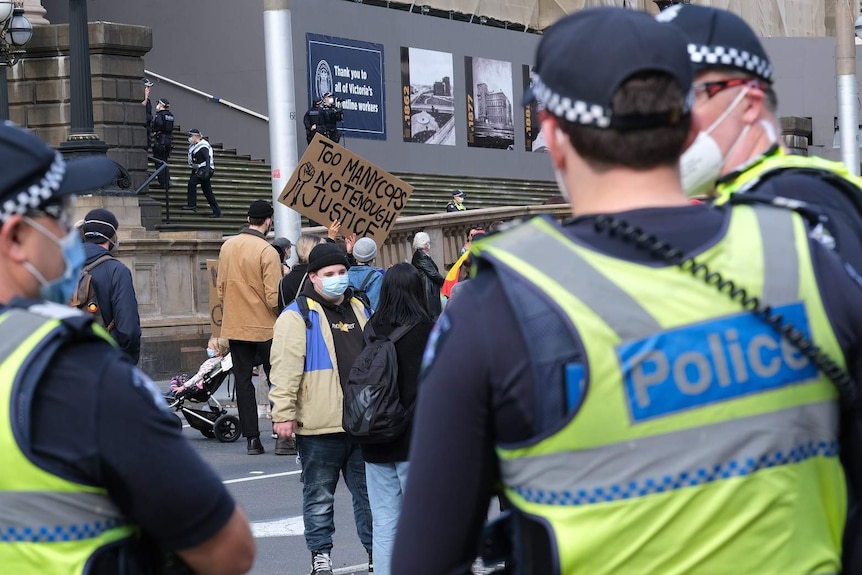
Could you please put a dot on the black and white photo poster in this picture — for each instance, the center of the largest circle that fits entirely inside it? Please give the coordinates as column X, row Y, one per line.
column 428, row 108
column 489, row 103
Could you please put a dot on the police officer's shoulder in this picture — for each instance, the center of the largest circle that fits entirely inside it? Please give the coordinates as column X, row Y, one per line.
column 69, row 316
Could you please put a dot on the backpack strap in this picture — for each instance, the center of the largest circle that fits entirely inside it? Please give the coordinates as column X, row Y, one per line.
column 396, row 334
column 99, row 261
column 367, row 279
column 302, row 304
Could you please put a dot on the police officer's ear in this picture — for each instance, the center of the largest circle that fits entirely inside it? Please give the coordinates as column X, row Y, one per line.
column 12, row 236
column 752, row 105
column 556, row 141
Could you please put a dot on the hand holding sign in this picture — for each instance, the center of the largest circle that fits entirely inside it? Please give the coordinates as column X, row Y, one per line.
column 332, row 184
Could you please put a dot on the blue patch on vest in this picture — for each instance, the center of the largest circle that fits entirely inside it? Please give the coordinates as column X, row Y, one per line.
column 710, row 362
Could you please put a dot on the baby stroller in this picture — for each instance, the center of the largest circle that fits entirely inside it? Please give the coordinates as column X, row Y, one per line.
column 203, row 411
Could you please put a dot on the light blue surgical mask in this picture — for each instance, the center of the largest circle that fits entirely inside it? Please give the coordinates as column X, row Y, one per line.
column 211, row 353
column 334, row 286
column 63, row 288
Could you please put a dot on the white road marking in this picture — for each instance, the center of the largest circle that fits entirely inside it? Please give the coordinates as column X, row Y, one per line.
column 290, row 527
column 256, row 472
column 256, row 477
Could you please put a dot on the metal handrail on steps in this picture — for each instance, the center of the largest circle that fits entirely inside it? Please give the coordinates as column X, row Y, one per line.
column 209, row 97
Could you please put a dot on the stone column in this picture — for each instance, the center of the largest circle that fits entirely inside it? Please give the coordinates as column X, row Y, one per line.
column 35, row 13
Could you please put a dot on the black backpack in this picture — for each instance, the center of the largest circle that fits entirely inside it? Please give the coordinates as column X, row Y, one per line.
column 372, row 410
column 84, row 297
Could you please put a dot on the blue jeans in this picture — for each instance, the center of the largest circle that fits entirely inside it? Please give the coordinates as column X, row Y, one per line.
column 323, row 457
column 386, row 483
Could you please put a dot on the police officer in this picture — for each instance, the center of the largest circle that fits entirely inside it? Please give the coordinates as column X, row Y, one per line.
column 640, row 419
column 202, row 163
column 457, row 202
column 163, row 128
column 330, row 115
column 738, row 149
column 94, row 473
column 148, row 109
column 311, row 121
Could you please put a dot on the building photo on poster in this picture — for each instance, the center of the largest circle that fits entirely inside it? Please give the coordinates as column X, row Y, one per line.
column 352, row 72
column 428, row 107
column 534, row 141
column 489, row 103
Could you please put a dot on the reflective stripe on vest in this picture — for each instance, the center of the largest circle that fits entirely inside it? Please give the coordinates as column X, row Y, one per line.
column 48, row 524
column 703, row 444
column 750, row 176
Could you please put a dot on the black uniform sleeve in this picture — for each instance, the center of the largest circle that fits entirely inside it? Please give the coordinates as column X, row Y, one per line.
column 98, row 420
column 453, row 466
column 150, row 470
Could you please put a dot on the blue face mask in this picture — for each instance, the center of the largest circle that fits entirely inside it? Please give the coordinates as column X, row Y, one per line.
column 334, row 286
column 211, row 353
column 63, row 288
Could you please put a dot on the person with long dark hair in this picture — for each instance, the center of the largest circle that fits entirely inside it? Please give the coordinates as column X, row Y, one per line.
column 402, row 302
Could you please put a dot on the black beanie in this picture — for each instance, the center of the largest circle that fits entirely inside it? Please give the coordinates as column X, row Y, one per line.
column 260, row 210
column 100, row 225
column 326, row 254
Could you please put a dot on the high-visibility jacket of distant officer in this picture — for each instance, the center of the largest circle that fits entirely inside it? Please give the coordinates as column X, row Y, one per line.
column 49, row 525
column 457, row 202
column 694, row 417
column 163, row 127
column 202, row 163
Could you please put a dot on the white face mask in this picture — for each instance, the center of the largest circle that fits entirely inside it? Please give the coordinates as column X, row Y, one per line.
column 701, row 164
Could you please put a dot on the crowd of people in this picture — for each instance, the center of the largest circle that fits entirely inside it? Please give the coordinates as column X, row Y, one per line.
column 653, row 386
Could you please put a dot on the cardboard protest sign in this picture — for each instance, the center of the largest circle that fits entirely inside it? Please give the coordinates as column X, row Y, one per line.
column 332, row 183
column 215, row 304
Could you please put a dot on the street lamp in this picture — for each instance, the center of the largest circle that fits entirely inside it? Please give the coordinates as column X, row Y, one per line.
column 15, row 32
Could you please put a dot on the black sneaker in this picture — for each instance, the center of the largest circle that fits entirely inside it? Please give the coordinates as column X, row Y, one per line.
column 189, row 209
column 370, row 563
column 321, row 564
column 284, row 446
column 255, row 447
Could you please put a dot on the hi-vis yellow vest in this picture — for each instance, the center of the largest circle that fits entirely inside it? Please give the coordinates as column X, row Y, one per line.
column 750, row 176
column 703, row 443
column 48, row 525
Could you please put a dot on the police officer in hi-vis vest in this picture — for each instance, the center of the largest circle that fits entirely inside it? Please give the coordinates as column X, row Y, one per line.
column 739, row 148
column 642, row 410
column 95, row 476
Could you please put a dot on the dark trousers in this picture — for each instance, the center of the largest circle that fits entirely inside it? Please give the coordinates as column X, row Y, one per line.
column 162, row 151
column 206, row 186
column 245, row 354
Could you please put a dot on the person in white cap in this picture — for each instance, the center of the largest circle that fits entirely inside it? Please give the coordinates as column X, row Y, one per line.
column 365, row 278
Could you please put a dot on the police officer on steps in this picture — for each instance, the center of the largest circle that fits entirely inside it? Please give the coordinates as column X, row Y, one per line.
column 641, row 418
column 163, row 128
column 95, row 476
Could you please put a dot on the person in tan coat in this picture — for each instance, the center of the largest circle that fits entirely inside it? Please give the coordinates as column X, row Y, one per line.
column 248, row 274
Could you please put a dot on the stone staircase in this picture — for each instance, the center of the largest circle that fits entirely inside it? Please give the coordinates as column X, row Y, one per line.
column 239, row 180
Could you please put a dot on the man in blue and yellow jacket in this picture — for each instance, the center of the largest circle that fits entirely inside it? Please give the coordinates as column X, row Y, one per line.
column 640, row 412
column 316, row 340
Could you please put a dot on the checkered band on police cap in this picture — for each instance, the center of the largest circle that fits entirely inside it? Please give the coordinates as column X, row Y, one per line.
column 584, row 58
column 34, row 176
column 719, row 39
column 38, row 193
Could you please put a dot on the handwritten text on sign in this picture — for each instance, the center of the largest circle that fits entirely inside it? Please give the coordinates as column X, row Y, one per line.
column 331, row 183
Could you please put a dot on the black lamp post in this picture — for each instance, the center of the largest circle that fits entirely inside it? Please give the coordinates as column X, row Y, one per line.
column 662, row 4
column 82, row 138
column 15, row 32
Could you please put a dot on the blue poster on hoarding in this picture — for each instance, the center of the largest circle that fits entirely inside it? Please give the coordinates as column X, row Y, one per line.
column 353, row 72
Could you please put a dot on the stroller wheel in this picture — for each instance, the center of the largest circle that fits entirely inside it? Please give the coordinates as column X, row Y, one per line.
column 226, row 428
column 208, row 433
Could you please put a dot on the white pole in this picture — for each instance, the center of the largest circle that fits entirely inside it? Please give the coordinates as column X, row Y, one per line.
column 278, row 40
column 845, row 60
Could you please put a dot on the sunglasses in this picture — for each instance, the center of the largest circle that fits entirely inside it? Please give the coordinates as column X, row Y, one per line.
column 712, row 89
